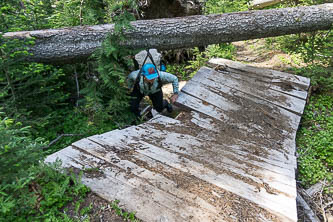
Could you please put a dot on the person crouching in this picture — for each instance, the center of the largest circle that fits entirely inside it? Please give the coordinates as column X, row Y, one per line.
column 148, row 81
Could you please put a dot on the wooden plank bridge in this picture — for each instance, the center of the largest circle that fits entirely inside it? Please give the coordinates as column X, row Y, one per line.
column 230, row 156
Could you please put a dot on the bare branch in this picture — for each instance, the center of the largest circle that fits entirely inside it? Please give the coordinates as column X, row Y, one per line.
column 58, row 138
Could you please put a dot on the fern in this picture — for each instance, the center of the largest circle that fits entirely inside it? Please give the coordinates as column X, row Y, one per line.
column 114, row 63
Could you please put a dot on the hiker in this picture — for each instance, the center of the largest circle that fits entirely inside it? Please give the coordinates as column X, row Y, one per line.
column 148, row 81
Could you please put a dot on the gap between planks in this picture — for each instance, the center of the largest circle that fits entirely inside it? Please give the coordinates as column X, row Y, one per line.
column 260, row 197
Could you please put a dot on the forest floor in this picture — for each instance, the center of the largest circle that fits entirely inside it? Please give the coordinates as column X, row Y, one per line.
column 254, row 52
column 100, row 210
column 260, row 54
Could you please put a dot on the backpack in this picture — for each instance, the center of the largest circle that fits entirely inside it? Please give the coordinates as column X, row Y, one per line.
column 147, row 68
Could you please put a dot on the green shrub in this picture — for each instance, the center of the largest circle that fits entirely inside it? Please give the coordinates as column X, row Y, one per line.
column 225, row 6
column 78, row 122
column 40, row 195
column 315, row 140
column 179, row 70
column 29, row 190
column 223, row 50
column 17, row 150
column 321, row 77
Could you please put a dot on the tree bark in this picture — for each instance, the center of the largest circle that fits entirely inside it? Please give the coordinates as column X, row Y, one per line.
column 68, row 44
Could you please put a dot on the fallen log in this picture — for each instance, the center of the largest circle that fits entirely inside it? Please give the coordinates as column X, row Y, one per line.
column 68, row 44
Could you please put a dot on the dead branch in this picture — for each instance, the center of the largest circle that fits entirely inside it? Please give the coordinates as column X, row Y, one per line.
column 58, row 138
column 307, row 210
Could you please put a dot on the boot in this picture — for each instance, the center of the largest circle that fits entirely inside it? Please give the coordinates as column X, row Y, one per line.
column 168, row 106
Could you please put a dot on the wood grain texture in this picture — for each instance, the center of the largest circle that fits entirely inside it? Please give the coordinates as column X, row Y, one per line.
column 230, row 155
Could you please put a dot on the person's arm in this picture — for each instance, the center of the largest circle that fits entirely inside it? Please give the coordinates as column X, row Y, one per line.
column 170, row 78
column 132, row 78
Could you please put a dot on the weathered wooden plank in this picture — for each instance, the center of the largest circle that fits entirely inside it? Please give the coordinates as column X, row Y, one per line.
column 271, row 156
column 235, row 97
column 264, row 198
column 276, row 76
column 188, row 144
column 246, row 189
column 196, row 150
column 179, row 177
column 131, row 137
column 207, row 129
column 239, row 147
column 248, row 120
column 231, row 206
column 222, row 87
column 165, row 190
column 112, row 183
column 252, row 107
column 212, row 88
column 199, row 150
column 264, row 82
column 211, row 78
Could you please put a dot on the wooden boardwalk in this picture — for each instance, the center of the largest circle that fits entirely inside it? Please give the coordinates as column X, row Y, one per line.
column 229, row 157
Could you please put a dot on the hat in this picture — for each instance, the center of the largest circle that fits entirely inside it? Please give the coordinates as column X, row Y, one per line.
column 149, row 71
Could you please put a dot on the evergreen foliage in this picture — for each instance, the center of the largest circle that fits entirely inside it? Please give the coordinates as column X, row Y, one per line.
column 39, row 102
column 17, row 150
column 88, row 98
column 27, row 90
column 29, row 189
column 114, row 63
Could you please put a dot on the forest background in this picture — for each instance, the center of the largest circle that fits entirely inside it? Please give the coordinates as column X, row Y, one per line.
column 44, row 107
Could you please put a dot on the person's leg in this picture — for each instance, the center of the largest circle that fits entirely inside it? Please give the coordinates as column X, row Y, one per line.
column 157, row 99
column 135, row 100
column 158, row 103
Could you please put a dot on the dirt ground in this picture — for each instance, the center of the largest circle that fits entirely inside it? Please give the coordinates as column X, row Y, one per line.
column 100, row 210
column 258, row 53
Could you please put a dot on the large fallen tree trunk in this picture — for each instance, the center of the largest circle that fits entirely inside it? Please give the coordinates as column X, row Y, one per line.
column 64, row 45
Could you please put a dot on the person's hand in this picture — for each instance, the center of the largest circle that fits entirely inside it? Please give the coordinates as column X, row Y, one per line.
column 173, row 98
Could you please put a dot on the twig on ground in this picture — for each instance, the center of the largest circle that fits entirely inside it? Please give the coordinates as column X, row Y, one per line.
column 58, row 138
column 77, row 86
column 307, row 210
column 328, row 204
column 321, row 202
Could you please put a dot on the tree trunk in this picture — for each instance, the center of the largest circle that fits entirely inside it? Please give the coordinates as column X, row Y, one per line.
column 65, row 45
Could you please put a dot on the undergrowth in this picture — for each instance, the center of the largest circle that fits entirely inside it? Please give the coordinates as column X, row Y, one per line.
column 41, row 95
column 42, row 102
column 315, row 140
column 185, row 71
